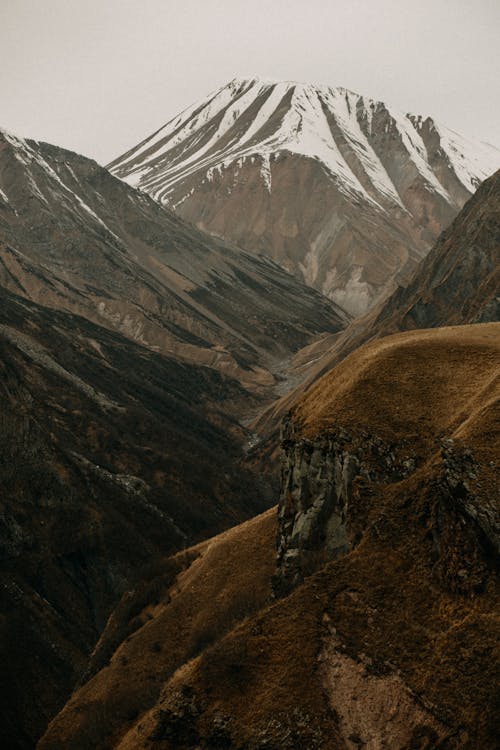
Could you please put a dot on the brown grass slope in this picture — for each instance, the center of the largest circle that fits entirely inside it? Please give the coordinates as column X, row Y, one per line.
column 199, row 596
column 416, row 385
column 394, row 645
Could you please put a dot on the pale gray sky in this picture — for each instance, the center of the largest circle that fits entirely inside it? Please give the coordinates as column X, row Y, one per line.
column 97, row 76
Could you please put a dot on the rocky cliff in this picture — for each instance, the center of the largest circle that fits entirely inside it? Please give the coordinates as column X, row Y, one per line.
column 327, row 482
column 320, row 495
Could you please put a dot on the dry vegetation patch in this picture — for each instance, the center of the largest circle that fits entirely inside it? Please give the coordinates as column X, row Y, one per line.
column 217, row 584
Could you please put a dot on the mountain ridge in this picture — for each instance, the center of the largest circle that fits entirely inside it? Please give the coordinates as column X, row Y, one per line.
column 237, row 85
column 77, row 238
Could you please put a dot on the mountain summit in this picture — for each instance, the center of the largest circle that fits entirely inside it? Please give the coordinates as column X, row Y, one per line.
column 340, row 189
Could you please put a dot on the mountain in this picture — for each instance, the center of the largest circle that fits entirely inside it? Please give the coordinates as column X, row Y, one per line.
column 457, row 283
column 341, row 190
column 388, row 542
column 75, row 238
column 132, row 348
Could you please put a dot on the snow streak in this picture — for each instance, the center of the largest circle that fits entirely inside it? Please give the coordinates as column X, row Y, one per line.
column 354, row 138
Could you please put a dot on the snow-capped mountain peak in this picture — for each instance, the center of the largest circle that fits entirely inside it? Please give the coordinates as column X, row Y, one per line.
column 255, row 117
column 328, row 182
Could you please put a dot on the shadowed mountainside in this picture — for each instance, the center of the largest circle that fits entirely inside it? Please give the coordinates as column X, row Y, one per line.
column 111, row 457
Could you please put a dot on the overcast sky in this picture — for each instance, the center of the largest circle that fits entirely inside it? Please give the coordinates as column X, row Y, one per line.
column 98, row 76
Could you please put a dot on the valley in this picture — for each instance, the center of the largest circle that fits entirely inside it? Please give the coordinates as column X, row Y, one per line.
column 249, row 482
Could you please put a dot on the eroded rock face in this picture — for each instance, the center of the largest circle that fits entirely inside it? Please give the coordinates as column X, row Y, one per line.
column 319, row 479
column 316, row 489
column 326, row 485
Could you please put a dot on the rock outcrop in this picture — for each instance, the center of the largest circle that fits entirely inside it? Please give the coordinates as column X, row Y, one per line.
column 327, row 482
column 320, row 495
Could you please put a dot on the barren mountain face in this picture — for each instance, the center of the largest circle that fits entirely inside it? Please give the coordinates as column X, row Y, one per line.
column 75, row 238
column 345, row 192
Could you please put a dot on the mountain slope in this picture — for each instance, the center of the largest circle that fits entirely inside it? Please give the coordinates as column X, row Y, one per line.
column 394, row 637
column 341, row 190
column 75, row 238
column 457, row 283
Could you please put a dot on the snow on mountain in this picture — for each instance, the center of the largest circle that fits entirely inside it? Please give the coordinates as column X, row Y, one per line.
column 247, row 162
column 35, row 167
column 244, row 120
